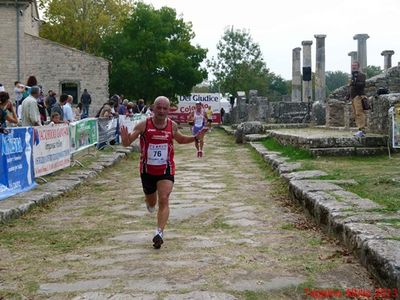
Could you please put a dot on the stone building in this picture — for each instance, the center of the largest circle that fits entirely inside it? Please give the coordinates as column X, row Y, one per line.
column 57, row 67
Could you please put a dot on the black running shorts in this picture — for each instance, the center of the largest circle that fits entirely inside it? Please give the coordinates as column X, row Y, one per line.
column 149, row 182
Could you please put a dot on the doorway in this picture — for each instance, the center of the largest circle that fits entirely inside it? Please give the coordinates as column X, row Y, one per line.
column 70, row 88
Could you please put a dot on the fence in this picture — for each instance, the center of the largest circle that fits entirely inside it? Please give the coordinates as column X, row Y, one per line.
column 27, row 153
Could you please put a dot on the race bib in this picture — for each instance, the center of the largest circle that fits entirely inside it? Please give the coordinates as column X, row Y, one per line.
column 157, row 154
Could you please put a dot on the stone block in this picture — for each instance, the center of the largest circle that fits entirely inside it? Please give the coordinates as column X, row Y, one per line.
column 303, row 175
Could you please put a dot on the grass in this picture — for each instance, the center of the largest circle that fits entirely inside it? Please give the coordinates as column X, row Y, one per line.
column 378, row 177
column 292, row 152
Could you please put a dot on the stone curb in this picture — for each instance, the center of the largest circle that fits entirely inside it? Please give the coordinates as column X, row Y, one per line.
column 16, row 206
column 358, row 223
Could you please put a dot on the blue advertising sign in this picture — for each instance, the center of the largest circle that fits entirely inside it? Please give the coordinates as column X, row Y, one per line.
column 16, row 161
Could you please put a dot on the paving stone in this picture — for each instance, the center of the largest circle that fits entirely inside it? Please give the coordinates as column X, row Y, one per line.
column 197, row 295
column 46, row 288
column 161, row 284
column 118, row 296
column 262, row 285
column 180, row 213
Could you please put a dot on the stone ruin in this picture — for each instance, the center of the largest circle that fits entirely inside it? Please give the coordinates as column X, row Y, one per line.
column 335, row 111
column 339, row 110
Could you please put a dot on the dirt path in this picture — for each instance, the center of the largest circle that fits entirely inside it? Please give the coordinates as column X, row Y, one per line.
column 232, row 234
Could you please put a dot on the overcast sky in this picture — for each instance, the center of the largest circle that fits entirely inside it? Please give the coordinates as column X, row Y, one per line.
column 278, row 26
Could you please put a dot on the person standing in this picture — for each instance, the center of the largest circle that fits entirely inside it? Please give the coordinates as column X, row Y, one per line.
column 18, row 91
column 222, row 111
column 67, row 110
column 50, row 101
column 7, row 111
column 357, row 85
column 86, row 100
column 157, row 166
column 58, row 107
column 30, row 111
column 209, row 114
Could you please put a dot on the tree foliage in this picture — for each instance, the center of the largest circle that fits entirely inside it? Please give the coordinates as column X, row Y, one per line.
column 152, row 55
column 335, row 79
column 239, row 66
column 82, row 23
column 373, row 71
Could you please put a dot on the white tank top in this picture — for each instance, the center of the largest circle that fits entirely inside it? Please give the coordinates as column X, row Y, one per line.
column 198, row 119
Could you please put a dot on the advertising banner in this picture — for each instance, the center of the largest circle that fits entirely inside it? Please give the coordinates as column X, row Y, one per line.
column 187, row 104
column 107, row 129
column 51, row 151
column 16, row 161
column 396, row 126
column 83, row 134
column 130, row 121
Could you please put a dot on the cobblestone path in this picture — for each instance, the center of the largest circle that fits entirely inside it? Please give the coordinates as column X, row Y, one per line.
column 232, row 234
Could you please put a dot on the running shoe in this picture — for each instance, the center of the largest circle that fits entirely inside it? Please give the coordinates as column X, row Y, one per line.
column 359, row 133
column 157, row 241
column 150, row 209
column 201, row 154
column 198, row 154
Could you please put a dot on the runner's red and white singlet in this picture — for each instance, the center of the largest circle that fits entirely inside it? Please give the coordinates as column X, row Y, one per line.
column 157, row 149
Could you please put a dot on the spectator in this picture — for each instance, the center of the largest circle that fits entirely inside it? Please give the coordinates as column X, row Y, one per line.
column 2, row 87
column 55, row 118
column 106, row 110
column 50, row 101
column 222, row 111
column 140, row 108
column 58, row 107
column 7, row 112
column 42, row 107
column 67, row 110
column 78, row 111
column 123, row 107
column 129, row 109
column 30, row 111
column 18, row 90
column 86, row 100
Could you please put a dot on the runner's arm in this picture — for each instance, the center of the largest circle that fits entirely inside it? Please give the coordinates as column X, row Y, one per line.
column 185, row 139
column 128, row 138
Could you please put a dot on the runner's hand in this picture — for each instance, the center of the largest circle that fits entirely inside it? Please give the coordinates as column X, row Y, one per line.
column 125, row 136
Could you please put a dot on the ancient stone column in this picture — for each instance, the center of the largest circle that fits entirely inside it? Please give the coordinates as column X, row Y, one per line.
column 387, row 59
column 320, row 88
column 362, row 50
column 353, row 55
column 296, row 75
column 307, row 73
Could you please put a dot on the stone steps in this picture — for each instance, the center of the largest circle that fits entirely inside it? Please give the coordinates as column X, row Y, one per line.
column 348, row 151
column 322, row 142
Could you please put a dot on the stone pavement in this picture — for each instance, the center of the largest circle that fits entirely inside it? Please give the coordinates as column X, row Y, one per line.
column 233, row 234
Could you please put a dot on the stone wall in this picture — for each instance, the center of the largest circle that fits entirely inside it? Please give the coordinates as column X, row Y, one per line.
column 335, row 113
column 389, row 80
column 8, row 47
column 379, row 120
column 53, row 64
column 289, row 112
column 260, row 109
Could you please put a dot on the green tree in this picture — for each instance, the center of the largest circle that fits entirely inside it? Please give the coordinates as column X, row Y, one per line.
column 152, row 55
column 335, row 79
column 82, row 23
column 372, row 71
column 239, row 66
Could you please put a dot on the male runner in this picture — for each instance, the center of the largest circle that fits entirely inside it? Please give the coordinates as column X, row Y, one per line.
column 199, row 120
column 157, row 167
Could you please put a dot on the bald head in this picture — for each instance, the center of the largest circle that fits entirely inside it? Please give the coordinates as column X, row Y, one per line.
column 161, row 99
column 161, row 108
